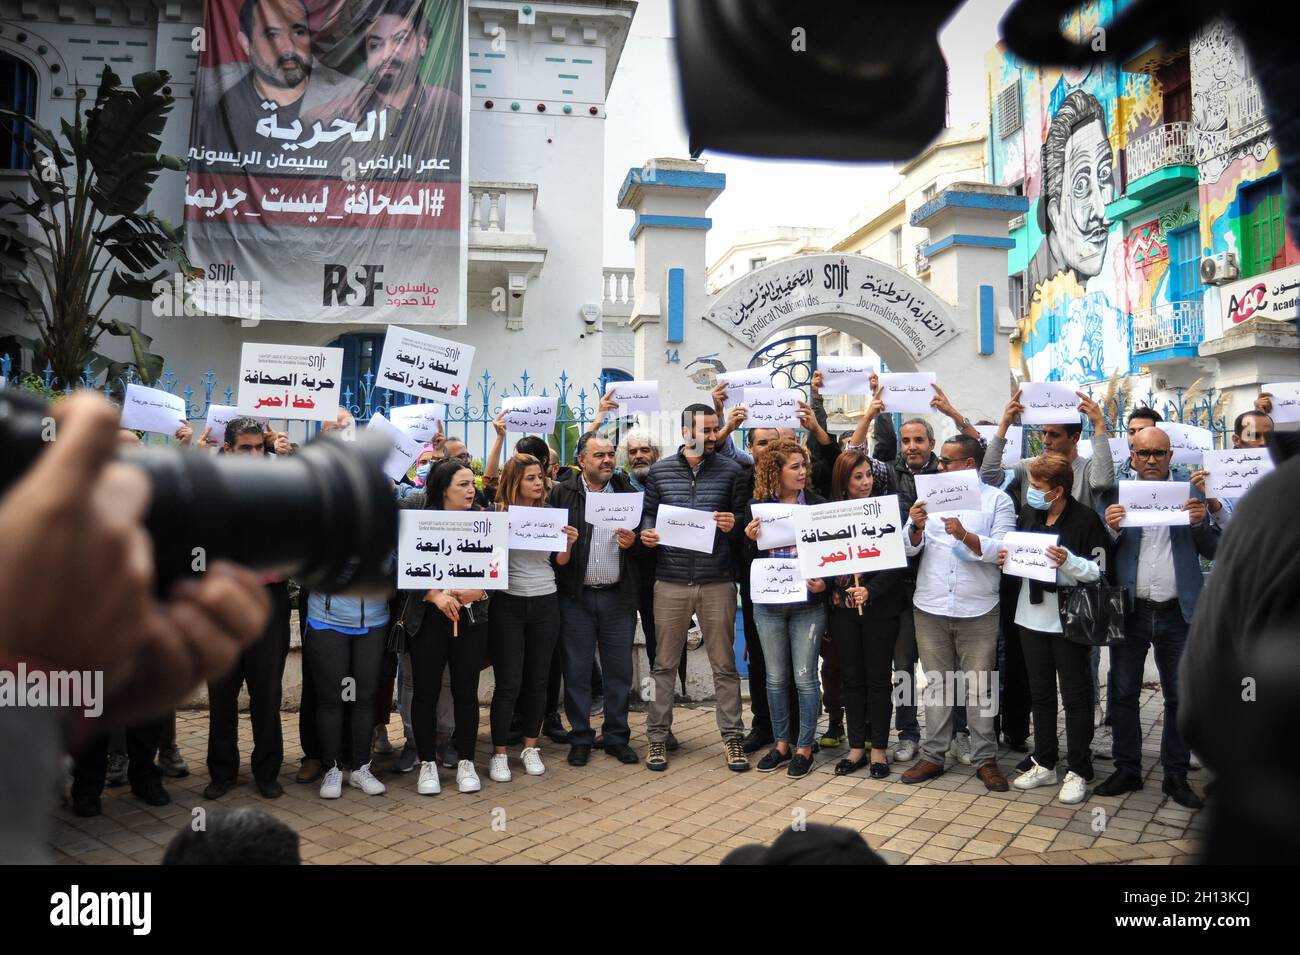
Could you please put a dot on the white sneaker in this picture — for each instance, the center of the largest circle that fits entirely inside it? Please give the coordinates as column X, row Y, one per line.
column 960, row 748
column 1073, row 790
column 905, row 750
column 429, row 784
column 467, row 777
column 1036, row 776
column 532, row 757
column 1194, row 761
column 499, row 770
column 1103, row 744
column 365, row 780
column 331, row 786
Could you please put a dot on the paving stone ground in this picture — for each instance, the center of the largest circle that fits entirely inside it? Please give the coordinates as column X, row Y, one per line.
column 695, row 812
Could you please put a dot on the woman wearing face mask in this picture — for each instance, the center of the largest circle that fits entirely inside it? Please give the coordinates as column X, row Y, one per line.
column 864, row 622
column 525, row 625
column 433, row 642
column 1050, row 509
column 419, row 473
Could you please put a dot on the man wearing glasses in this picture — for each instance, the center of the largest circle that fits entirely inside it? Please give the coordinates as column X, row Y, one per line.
column 1159, row 568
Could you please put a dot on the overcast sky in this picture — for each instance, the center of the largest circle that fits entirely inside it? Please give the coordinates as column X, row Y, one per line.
column 645, row 121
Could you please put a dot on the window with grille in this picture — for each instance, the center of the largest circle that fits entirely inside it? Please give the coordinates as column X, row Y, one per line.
column 18, row 93
column 1185, row 263
column 1263, row 236
column 1176, row 82
column 1009, row 119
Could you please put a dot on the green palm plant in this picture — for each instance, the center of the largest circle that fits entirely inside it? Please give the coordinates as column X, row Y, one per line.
column 86, row 193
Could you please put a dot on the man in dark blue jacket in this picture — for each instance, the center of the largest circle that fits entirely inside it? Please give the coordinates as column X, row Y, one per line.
column 1160, row 570
column 689, row 582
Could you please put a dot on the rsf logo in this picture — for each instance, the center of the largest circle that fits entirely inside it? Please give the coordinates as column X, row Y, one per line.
column 337, row 287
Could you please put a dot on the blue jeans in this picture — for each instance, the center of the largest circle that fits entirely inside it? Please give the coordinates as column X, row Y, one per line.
column 1166, row 631
column 791, row 636
column 597, row 618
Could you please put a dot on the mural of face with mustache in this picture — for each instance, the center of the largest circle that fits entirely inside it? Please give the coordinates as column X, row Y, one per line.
column 1077, row 213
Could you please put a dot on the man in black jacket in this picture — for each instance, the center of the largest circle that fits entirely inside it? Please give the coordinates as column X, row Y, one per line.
column 598, row 601
column 688, row 582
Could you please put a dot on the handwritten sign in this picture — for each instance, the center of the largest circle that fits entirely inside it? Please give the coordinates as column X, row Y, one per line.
column 686, row 528
column 290, row 381
column 406, row 447
column 1119, row 449
column 846, row 375
column 221, row 415
column 737, row 381
column 1012, row 453
column 850, row 537
column 1027, row 556
column 1153, row 503
column 1233, row 473
column 424, row 365
column 907, row 392
column 533, row 414
column 538, row 528
column 774, row 580
column 776, row 524
column 772, row 408
column 634, row 396
column 949, row 492
column 153, row 410
column 615, row 509
column 1049, row 402
column 1187, row 442
column 420, row 421
column 452, row 550
column 1286, row 401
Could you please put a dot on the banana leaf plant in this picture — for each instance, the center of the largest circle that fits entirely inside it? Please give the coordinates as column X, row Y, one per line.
column 92, row 244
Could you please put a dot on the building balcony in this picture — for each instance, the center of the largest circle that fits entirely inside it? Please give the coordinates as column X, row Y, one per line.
column 1173, row 144
column 616, row 294
column 1246, row 119
column 504, row 255
column 1172, row 330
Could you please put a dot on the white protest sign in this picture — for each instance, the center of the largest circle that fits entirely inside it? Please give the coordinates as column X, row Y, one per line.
column 846, row 375
column 1188, row 442
column 850, row 537
column 221, row 415
column 406, row 447
column 1049, row 402
column 420, row 421
column 1151, row 503
column 773, row 580
column 776, row 524
column 772, row 408
column 613, row 509
column 532, row 414
column 538, row 528
column 907, row 392
column 949, row 491
column 152, row 409
column 737, row 381
column 634, row 396
column 1015, row 442
column 1027, row 555
column 1119, row 449
column 1286, row 401
column 686, row 528
column 424, row 365
column 452, row 550
column 290, row 381
column 1233, row 473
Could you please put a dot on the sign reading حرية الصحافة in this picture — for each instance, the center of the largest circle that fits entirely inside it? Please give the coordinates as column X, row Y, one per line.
column 780, row 294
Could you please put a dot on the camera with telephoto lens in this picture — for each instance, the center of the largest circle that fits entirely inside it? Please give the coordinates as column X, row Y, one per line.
column 324, row 515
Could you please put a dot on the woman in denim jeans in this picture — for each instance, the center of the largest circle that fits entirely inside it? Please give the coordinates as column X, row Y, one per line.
column 790, row 634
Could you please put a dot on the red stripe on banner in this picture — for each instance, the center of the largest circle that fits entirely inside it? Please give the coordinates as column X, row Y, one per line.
column 294, row 201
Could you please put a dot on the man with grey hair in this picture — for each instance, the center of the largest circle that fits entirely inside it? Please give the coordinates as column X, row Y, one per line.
column 641, row 451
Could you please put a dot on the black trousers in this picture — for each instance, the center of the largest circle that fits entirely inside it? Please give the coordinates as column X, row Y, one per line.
column 261, row 666
column 345, row 670
column 90, row 768
column 431, row 649
column 1013, row 713
column 865, row 648
column 1049, row 657
column 762, row 714
column 522, row 633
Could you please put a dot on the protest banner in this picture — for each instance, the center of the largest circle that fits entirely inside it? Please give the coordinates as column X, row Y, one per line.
column 1233, row 473
column 1153, row 503
column 686, row 528
column 452, row 550
column 850, row 537
column 1027, row 555
column 613, row 509
column 1049, row 402
column 635, row 396
column 1014, row 449
column 845, row 374
column 772, row 408
column 1187, row 442
column 290, row 381
column 538, row 528
column 406, row 447
column 221, row 415
column 775, row 580
column 421, row 421
column 153, row 410
column 776, row 524
column 907, row 392
column 426, row 366
column 533, row 414
column 949, row 491
column 1286, row 401
column 735, row 382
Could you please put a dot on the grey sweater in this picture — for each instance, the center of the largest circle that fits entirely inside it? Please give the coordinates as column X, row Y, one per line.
column 1092, row 475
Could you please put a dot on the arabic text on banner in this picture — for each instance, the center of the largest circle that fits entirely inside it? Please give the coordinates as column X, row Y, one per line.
column 421, row 421
column 533, row 414
column 772, row 408
column 424, row 365
column 1027, row 555
column 221, row 415
column 1149, row 503
column 907, row 392
column 949, row 492
column 850, row 537
column 776, row 524
column 405, row 447
column 290, row 381
column 737, row 381
column 635, row 396
column 1119, row 449
column 1233, row 473
column 1187, row 442
column 1286, row 401
column 774, row 580
column 1049, row 402
column 538, row 528
column 685, row 528
column 615, row 509
column 1015, row 441
column 846, row 375
column 152, row 410
column 452, row 550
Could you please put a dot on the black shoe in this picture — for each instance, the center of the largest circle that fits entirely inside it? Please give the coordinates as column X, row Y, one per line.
column 599, row 742
column 216, row 788
column 800, row 766
column 86, row 804
column 846, row 766
column 622, row 752
column 773, row 761
column 579, row 753
column 1119, row 782
column 756, row 739
column 151, row 791
column 879, row 770
column 1025, row 765
column 553, row 729
column 673, row 745
column 271, row 789
column 1176, row 788
column 1017, row 745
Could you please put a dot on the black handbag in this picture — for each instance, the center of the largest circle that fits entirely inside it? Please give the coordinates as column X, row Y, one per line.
column 1092, row 614
column 397, row 633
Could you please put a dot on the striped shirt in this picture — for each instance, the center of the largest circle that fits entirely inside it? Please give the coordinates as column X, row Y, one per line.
column 603, row 557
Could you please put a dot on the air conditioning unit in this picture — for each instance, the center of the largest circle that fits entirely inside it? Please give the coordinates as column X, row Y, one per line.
column 1219, row 268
